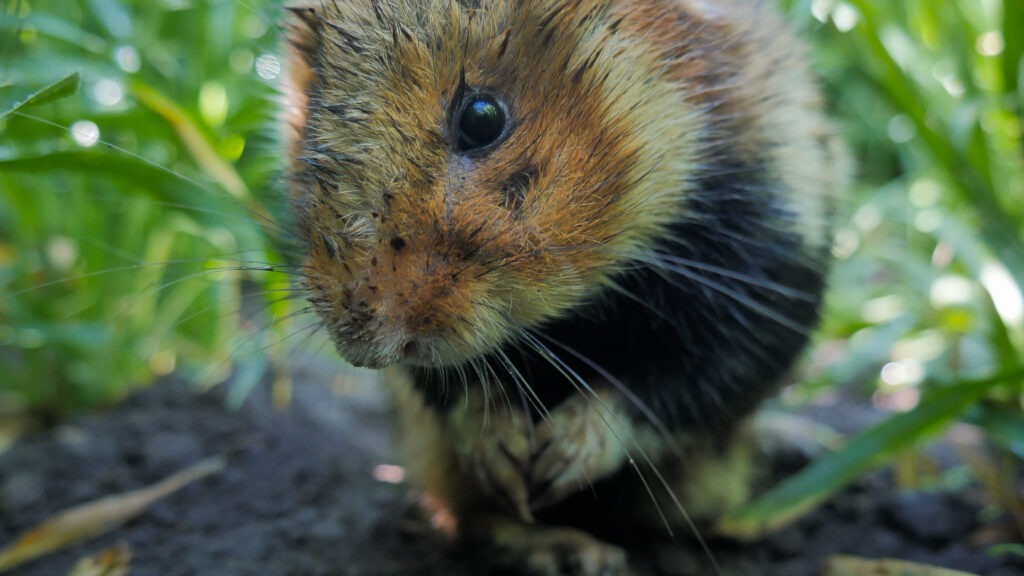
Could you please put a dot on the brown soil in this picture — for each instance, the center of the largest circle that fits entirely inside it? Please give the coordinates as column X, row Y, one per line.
column 298, row 497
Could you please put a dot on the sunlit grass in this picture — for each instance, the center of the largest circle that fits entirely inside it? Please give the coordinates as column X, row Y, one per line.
column 128, row 210
column 929, row 286
column 926, row 303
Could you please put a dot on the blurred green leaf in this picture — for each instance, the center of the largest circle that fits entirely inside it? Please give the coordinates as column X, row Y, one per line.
column 1002, row 424
column 969, row 171
column 128, row 224
column 1012, row 548
column 866, row 450
column 58, row 29
column 1013, row 45
column 60, row 89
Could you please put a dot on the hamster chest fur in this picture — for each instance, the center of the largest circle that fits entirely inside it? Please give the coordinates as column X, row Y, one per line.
column 581, row 232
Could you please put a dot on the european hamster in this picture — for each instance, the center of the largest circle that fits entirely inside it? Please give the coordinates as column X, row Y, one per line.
column 588, row 237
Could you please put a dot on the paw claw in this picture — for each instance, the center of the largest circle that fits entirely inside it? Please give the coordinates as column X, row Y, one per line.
column 554, row 551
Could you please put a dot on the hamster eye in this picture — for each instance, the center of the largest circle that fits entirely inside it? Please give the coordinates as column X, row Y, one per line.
column 481, row 122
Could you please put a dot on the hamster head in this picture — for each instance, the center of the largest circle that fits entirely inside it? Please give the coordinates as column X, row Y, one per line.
column 468, row 170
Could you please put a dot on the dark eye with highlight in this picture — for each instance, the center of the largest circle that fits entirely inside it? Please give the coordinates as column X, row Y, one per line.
column 481, row 122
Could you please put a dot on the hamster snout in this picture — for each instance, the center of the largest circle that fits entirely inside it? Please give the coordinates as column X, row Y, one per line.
column 408, row 291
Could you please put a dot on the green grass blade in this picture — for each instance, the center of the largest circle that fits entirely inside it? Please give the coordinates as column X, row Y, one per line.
column 1013, row 38
column 194, row 140
column 61, row 31
column 1002, row 424
column 867, row 450
column 61, row 88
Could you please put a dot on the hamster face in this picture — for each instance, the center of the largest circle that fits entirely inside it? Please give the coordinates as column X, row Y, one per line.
column 469, row 170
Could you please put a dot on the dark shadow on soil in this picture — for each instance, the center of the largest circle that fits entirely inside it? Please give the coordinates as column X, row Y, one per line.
column 298, row 497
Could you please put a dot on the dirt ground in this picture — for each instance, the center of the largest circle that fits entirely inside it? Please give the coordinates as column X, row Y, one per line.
column 299, row 497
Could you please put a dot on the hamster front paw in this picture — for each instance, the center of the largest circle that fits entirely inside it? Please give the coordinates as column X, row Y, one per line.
column 528, row 466
column 581, row 442
column 495, row 446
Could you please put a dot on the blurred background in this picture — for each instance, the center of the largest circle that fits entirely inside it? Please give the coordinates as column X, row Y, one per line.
column 132, row 210
column 141, row 214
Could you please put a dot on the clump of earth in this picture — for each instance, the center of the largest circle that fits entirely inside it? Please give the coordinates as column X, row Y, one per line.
column 311, row 490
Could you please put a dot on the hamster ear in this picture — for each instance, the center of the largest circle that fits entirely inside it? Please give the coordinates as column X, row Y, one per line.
column 303, row 32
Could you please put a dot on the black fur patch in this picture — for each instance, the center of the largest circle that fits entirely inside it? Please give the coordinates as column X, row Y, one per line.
column 515, row 188
column 698, row 354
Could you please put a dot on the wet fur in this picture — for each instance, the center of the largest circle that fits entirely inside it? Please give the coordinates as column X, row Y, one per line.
column 653, row 234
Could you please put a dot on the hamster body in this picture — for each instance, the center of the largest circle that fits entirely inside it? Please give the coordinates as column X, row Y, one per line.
column 581, row 234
